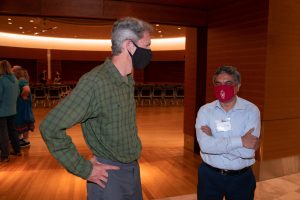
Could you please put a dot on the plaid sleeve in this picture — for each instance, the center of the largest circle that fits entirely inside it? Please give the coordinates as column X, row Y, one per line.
column 75, row 108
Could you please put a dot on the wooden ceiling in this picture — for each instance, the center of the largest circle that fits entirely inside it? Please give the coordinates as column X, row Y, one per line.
column 93, row 18
column 202, row 5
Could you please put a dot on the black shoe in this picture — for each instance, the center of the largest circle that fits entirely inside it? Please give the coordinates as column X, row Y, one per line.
column 24, row 143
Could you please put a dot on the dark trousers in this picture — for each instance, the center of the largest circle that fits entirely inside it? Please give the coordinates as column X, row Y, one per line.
column 212, row 185
column 8, row 133
column 123, row 184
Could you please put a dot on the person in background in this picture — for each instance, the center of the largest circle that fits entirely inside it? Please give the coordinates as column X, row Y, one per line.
column 24, row 118
column 228, row 131
column 15, row 68
column 43, row 77
column 57, row 78
column 103, row 103
column 9, row 92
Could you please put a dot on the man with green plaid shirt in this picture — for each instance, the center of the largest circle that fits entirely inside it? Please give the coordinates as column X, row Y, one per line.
column 103, row 103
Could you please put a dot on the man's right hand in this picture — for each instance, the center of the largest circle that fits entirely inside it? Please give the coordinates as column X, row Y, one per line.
column 99, row 173
column 250, row 141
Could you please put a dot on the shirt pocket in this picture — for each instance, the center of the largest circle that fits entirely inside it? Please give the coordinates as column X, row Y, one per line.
column 117, row 109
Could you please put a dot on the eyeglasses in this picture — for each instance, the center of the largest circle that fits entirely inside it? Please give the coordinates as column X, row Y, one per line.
column 217, row 83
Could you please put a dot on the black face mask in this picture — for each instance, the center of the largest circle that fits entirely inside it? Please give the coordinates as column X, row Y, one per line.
column 141, row 57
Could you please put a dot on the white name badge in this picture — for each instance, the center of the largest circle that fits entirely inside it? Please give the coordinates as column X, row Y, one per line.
column 223, row 125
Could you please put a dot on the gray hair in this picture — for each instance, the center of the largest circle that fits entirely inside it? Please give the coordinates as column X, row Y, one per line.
column 228, row 70
column 127, row 28
column 22, row 74
column 16, row 67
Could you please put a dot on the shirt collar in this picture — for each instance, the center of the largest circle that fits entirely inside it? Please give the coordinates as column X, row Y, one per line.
column 238, row 104
column 115, row 74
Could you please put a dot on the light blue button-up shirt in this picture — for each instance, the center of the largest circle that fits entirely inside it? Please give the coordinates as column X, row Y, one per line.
column 224, row 149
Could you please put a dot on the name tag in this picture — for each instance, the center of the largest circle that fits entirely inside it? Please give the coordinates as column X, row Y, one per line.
column 223, row 125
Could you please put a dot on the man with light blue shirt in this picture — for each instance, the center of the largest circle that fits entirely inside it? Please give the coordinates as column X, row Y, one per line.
column 228, row 132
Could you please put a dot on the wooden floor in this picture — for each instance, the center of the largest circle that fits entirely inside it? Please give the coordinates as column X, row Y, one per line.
column 167, row 169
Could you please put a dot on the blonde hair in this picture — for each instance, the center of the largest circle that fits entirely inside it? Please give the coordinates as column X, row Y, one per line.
column 5, row 67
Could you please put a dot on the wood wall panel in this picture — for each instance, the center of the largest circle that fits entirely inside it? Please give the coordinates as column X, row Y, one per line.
column 283, row 61
column 190, row 83
column 76, row 8
column 138, row 76
column 195, row 82
column 167, row 13
column 281, row 138
column 157, row 72
column 20, row 7
column 176, row 55
column 281, row 108
column 237, row 36
column 164, row 72
column 73, row 70
column 263, row 44
column 25, row 53
column 79, row 55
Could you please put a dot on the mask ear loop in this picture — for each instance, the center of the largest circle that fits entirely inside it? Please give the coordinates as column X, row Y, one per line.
column 129, row 51
column 134, row 44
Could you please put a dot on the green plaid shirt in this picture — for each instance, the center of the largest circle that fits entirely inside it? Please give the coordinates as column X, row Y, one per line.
column 103, row 103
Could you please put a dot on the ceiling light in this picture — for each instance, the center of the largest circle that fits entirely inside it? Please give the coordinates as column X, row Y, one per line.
column 36, row 33
column 9, row 19
column 179, row 28
column 20, row 27
column 9, row 22
column 31, row 21
column 55, row 27
column 159, row 31
column 156, row 24
column 35, row 27
column 40, row 42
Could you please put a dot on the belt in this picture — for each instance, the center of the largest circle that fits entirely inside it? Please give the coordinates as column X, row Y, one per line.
column 226, row 171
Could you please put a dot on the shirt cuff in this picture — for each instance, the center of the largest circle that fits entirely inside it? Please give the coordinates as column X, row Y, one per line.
column 236, row 142
column 85, row 169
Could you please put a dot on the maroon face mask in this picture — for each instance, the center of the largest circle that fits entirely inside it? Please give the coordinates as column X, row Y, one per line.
column 224, row 92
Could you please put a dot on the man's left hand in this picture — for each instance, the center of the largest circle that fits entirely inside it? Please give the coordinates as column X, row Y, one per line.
column 206, row 130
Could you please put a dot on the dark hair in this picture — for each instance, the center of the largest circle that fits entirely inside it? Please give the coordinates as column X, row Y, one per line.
column 228, row 70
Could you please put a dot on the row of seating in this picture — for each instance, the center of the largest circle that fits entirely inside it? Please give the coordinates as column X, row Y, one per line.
column 164, row 94
column 48, row 95
column 144, row 94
